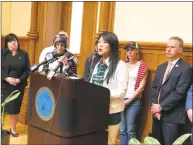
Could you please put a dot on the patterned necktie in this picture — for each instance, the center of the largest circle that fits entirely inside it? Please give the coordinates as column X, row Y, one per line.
column 167, row 72
column 165, row 76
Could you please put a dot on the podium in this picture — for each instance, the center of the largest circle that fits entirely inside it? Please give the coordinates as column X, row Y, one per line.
column 67, row 111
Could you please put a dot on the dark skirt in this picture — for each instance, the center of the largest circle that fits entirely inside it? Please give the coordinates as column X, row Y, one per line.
column 12, row 107
column 114, row 118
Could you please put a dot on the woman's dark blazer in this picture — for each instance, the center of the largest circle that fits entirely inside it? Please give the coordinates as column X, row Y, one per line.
column 22, row 73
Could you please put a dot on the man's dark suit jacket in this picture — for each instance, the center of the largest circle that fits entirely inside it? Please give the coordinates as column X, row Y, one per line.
column 173, row 91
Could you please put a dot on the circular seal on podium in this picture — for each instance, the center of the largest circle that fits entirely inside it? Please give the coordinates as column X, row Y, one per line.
column 45, row 103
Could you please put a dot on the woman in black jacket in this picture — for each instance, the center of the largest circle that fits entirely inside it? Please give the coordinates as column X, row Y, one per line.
column 90, row 63
column 15, row 68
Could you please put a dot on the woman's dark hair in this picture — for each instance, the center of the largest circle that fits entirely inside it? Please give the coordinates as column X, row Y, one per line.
column 113, row 41
column 60, row 38
column 96, row 42
column 11, row 37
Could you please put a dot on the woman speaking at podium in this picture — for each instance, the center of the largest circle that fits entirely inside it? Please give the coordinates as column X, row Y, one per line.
column 111, row 72
column 60, row 44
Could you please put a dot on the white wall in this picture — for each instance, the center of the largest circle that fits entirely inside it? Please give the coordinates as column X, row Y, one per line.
column 153, row 21
column 76, row 26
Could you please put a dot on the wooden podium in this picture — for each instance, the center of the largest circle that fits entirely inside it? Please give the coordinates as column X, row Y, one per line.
column 76, row 113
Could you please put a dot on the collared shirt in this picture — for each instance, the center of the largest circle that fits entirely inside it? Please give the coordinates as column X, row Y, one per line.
column 173, row 63
column 117, row 85
column 118, row 82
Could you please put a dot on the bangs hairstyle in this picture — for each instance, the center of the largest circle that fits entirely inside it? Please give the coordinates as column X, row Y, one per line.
column 112, row 39
column 11, row 37
column 60, row 38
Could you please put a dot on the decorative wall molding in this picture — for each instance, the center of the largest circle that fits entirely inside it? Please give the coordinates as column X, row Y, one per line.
column 154, row 52
column 33, row 34
column 107, row 15
column 66, row 15
column 155, row 45
column 88, row 32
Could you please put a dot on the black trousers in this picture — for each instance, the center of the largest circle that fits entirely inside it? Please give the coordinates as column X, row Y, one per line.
column 166, row 133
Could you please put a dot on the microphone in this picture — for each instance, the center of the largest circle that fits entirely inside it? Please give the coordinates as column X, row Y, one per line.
column 73, row 59
column 53, row 72
column 49, row 57
column 70, row 69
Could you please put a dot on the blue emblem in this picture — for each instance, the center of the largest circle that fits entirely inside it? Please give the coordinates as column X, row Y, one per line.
column 45, row 103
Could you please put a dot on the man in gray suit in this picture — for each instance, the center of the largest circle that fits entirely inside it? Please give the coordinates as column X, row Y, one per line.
column 169, row 87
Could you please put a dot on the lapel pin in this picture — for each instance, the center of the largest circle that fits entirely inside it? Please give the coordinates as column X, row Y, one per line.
column 176, row 65
column 19, row 57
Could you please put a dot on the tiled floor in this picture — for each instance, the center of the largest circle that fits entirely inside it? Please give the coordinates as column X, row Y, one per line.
column 22, row 131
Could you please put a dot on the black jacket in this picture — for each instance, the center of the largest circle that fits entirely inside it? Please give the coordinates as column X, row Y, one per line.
column 89, row 65
column 22, row 71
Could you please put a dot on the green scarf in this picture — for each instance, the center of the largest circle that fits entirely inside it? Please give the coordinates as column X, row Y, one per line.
column 98, row 77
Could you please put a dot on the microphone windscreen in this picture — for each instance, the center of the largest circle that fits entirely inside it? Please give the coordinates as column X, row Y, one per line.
column 68, row 54
column 49, row 56
column 33, row 68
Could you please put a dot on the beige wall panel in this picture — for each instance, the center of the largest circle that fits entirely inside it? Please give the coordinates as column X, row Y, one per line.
column 153, row 21
column 6, row 17
column 20, row 18
column 150, row 59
